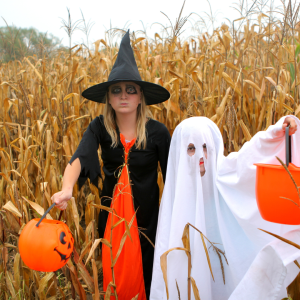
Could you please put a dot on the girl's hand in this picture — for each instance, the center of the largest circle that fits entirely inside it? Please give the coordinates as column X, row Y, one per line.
column 61, row 199
column 290, row 121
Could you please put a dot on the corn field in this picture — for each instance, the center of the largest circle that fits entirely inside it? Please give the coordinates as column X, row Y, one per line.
column 244, row 80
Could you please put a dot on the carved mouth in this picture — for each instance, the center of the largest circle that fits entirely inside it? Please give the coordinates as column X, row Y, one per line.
column 62, row 256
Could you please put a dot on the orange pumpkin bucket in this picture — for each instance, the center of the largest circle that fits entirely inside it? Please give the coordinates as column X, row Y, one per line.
column 273, row 184
column 46, row 245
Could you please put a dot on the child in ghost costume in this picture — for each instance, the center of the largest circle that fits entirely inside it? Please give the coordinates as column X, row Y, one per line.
column 222, row 205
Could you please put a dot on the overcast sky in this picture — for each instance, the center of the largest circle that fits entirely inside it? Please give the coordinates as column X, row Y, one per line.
column 46, row 15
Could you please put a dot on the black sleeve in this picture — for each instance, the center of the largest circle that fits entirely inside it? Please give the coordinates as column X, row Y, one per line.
column 163, row 150
column 88, row 156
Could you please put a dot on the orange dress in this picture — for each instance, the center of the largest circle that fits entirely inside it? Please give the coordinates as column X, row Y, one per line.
column 128, row 267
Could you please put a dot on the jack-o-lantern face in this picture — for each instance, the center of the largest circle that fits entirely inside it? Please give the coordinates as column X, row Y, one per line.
column 47, row 247
column 65, row 247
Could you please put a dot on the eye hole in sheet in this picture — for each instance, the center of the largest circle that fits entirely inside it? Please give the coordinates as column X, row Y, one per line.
column 201, row 161
column 191, row 149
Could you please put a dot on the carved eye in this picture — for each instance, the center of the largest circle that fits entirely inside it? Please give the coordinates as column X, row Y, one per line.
column 61, row 237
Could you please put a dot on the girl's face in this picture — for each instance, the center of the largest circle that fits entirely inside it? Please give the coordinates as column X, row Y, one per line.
column 124, row 97
column 191, row 151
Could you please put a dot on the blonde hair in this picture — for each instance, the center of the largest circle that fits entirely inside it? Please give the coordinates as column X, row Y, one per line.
column 143, row 114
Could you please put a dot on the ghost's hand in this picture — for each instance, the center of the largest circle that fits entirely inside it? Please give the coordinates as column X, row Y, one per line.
column 290, row 122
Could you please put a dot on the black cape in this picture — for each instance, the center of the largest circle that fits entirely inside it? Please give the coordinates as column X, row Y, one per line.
column 142, row 165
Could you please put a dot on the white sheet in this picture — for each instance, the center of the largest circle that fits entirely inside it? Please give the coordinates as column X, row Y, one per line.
column 222, row 205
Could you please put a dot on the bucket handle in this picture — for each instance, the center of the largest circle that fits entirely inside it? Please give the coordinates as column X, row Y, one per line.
column 45, row 214
column 288, row 148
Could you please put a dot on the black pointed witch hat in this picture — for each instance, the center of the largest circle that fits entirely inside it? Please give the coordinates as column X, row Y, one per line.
column 125, row 69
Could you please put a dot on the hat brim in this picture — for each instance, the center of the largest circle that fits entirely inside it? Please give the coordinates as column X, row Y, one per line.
column 153, row 93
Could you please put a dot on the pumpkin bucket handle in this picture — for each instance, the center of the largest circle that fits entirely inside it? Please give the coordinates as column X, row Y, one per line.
column 288, row 148
column 45, row 214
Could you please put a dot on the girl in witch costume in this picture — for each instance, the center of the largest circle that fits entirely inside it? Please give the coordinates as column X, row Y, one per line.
column 216, row 194
column 132, row 145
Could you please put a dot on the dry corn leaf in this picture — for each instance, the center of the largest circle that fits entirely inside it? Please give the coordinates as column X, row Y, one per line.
column 9, row 284
column 221, row 108
column 10, row 245
column 51, row 290
column 254, row 85
column 123, row 239
column 205, row 248
column 108, row 291
column 10, row 207
column 10, row 85
column 138, row 40
column 262, row 90
column 70, row 117
column 85, row 275
column 82, row 117
column 245, row 130
column 95, row 275
column 207, row 255
column 102, row 207
column 76, row 283
column 85, row 250
column 286, row 107
column 231, row 83
column 271, row 80
column 8, row 156
column 163, row 265
column 69, row 96
column 127, row 229
column 95, row 245
column 75, row 214
column 291, row 176
column 35, row 70
column 196, row 64
column 103, row 42
column 6, row 177
column 4, row 255
column 288, row 97
column 195, row 289
column 37, row 208
column 17, row 272
column 186, row 237
column 176, row 75
column 214, row 118
column 44, row 282
column 169, row 105
column 15, row 172
column 14, row 223
column 178, row 291
column 118, row 223
column 232, row 66
column 282, row 239
column 297, row 110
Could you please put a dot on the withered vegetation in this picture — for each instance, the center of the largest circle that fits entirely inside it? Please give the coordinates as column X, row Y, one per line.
column 244, row 78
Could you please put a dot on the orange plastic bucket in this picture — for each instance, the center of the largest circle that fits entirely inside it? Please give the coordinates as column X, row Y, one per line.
column 274, row 182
